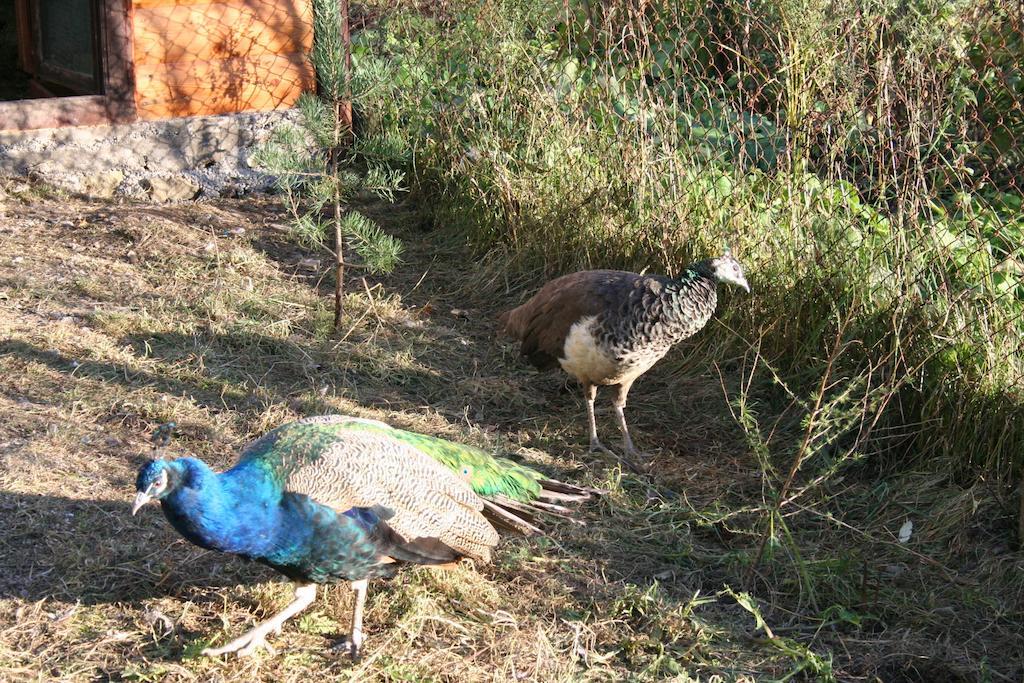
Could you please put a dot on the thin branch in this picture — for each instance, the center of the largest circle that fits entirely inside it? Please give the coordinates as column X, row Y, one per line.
column 812, row 422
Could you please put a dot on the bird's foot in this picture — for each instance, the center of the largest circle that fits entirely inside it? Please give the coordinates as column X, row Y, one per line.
column 653, row 492
column 597, row 447
column 247, row 644
column 255, row 639
column 351, row 645
column 642, row 458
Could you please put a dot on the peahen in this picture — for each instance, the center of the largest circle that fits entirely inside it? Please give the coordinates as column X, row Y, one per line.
column 337, row 498
column 608, row 327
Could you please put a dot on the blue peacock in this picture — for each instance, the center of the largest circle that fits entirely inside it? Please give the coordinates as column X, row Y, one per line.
column 335, row 498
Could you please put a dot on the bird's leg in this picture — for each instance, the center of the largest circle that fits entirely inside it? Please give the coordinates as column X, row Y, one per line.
column 631, row 455
column 253, row 640
column 627, row 441
column 590, row 394
column 354, row 641
column 356, row 636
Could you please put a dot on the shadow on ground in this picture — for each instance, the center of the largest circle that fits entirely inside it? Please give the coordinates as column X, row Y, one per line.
column 93, row 551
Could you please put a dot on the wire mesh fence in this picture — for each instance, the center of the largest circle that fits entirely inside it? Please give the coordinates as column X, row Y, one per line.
column 175, row 58
column 219, row 57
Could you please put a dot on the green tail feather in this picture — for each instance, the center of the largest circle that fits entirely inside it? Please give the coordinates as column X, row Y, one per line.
column 489, row 476
column 515, row 496
column 497, row 479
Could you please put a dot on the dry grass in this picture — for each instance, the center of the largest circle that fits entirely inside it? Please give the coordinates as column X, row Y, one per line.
column 116, row 318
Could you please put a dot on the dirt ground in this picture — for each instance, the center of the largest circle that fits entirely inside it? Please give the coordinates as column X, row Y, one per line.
column 116, row 318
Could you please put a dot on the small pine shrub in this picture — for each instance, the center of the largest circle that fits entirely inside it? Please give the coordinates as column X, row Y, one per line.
column 319, row 168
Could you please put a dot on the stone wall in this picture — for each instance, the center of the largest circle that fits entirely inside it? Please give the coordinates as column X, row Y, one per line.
column 178, row 159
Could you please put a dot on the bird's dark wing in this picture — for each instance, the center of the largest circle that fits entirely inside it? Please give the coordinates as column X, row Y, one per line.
column 543, row 322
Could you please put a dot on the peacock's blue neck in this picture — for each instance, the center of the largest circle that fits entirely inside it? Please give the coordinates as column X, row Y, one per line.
column 245, row 511
column 238, row 511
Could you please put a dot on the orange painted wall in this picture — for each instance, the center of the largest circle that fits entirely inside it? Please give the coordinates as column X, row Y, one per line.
column 218, row 56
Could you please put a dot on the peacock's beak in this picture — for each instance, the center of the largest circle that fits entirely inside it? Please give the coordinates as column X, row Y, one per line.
column 745, row 286
column 141, row 499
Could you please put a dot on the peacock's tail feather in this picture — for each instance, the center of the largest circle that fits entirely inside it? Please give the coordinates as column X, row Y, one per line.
column 489, row 476
column 515, row 495
column 488, row 473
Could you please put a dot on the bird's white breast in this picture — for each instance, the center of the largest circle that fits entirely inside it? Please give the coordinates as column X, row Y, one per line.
column 583, row 355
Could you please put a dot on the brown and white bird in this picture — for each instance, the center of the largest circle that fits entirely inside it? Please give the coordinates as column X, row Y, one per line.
column 608, row 327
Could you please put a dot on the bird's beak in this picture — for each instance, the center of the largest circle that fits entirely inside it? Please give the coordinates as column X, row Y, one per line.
column 141, row 499
column 745, row 286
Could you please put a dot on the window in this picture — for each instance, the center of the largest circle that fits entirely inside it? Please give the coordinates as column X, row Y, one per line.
column 65, row 54
column 65, row 62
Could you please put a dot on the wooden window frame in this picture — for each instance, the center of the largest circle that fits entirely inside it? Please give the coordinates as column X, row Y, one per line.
column 78, row 83
column 116, row 104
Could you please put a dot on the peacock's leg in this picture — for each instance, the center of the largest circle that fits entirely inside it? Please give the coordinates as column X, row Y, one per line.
column 354, row 641
column 248, row 643
column 356, row 635
column 590, row 394
column 631, row 455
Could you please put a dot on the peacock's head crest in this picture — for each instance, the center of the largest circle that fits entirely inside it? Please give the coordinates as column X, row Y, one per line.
column 727, row 269
column 157, row 478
